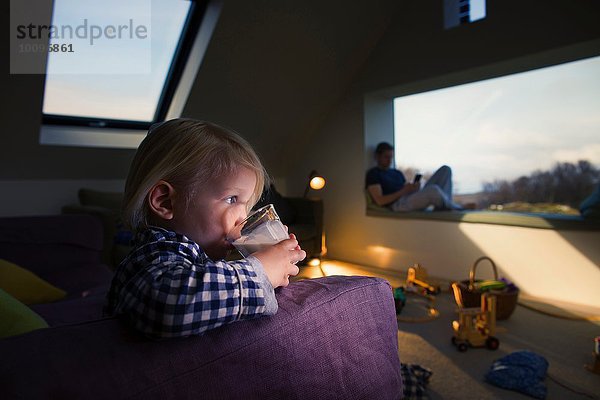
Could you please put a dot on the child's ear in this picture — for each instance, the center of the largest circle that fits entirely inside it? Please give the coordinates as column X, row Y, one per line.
column 160, row 199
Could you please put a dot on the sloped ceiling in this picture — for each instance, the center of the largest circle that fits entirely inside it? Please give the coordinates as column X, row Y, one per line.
column 274, row 69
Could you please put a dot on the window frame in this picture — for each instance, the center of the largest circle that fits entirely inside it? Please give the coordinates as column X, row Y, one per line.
column 88, row 131
column 379, row 126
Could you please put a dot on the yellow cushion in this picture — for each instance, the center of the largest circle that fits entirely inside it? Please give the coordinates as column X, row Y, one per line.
column 26, row 286
column 16, row 317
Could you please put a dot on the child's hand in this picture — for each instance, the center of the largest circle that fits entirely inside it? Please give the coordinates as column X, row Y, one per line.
column 279, row 261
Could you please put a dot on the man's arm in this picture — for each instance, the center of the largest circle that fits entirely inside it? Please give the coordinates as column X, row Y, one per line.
column 383, row 200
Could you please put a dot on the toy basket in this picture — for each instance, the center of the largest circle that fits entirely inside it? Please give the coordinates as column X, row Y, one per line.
column 506, row 298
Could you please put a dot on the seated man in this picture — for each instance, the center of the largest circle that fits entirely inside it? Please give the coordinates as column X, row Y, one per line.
column 387, row 186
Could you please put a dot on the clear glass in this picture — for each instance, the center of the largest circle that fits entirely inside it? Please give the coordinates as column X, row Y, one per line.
column 260, row 229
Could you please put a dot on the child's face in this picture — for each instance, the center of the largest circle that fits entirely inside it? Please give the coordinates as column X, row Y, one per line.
column 215, row 210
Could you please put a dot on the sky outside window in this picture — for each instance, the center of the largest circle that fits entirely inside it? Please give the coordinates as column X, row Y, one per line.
column 130, row 95
column 502, row 128
column 477, row 11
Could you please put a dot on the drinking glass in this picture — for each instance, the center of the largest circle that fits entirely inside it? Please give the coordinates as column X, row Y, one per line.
column 260, row 229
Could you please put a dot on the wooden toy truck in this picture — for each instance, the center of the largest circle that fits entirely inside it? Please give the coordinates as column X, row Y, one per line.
column 475, row 327
column 417, row 277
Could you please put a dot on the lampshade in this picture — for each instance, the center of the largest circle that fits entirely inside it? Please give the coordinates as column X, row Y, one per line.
column 315, row 182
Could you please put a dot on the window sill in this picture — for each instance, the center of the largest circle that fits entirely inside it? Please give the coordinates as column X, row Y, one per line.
column 82, row 136
column 538, row 221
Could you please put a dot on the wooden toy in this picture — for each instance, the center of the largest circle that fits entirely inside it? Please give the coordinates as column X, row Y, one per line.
column 595, row 366
column 476, row 326
column 419, row 306
column 417, row 277
column 472, row 289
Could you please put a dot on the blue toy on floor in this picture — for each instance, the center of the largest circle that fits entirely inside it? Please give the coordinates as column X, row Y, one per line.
column 523, row 371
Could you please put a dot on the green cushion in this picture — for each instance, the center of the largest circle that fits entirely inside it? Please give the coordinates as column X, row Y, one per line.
column 16, row 317
column 26, row 286
column 371, row 205
column 110, row 200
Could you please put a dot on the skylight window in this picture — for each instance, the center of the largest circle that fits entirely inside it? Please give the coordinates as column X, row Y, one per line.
column 116, row 61
column 461, row 12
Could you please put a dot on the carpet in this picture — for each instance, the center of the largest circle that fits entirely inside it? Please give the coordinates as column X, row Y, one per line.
column 566, row 344
column 563, row 338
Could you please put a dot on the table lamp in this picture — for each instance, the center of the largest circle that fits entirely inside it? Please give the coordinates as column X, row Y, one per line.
column 315, row 182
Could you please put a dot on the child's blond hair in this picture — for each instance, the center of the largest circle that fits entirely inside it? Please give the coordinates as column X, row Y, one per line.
column 186, row 153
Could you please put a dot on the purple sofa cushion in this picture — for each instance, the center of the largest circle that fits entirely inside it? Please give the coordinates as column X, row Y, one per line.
column 333, row 337
column 64, row 250
column 77, row 280
column 74, row 310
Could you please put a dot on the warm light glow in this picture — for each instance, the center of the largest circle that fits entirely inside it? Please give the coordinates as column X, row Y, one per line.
column 382, row 254
column 334, row 267
column 317, row 183
column 315, row 262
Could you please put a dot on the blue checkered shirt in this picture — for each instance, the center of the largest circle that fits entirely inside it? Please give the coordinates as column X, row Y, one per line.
column 168, row 287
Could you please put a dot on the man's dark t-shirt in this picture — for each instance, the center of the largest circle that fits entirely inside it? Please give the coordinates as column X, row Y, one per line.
column 391, row 180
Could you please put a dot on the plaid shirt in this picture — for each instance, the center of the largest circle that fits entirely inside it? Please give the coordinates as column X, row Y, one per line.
column 414, row 381
column 168, row 287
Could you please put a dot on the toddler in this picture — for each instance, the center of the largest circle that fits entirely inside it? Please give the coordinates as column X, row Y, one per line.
column 190, row 182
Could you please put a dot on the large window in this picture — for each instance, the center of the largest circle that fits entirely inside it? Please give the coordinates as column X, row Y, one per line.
column 526, row 142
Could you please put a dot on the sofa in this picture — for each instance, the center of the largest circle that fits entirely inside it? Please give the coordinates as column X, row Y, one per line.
column 332, row 338
column 303, row 216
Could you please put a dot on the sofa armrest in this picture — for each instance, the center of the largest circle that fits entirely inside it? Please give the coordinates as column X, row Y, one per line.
column 333, row 337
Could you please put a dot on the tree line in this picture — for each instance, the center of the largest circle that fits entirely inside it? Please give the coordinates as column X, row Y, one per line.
column 565, row 183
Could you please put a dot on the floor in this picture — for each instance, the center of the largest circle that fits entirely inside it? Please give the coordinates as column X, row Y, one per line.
column 424, row 339
column 396, row 279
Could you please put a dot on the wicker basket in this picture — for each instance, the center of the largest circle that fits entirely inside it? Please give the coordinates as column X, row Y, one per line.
column 506, row 299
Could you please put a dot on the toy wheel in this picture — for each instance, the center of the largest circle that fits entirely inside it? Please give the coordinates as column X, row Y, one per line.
column 492, row 343
column 462, row 347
